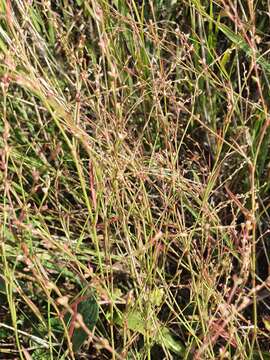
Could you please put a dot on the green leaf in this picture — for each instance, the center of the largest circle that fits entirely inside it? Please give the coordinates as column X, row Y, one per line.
column 169, row 342
column 235, row 38
column 260, row 355
column 41, row 354
column 266, row 323
column 89, row 310
column 225, row 58
column 158, row 332
column 156, row 297
column 243, row 45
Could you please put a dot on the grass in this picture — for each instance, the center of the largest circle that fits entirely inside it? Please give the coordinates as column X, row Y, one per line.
column 134, row 179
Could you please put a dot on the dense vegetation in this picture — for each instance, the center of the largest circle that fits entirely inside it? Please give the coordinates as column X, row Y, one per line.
column 134, row 192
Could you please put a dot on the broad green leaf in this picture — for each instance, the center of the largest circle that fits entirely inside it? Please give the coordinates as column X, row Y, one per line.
column 266, row 323
column 225, row 58
column 169, row 342
column 156, row 296
column 159, row 333
column 89, row 311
